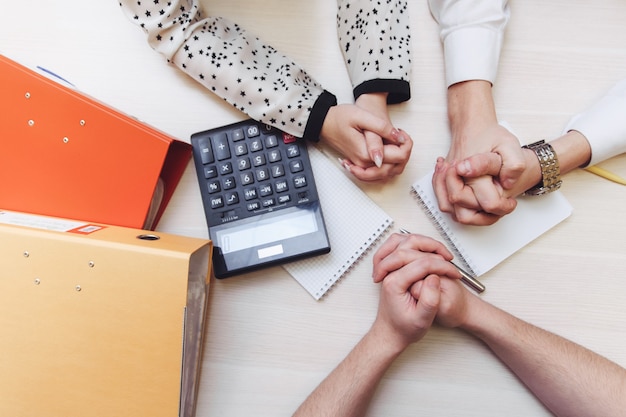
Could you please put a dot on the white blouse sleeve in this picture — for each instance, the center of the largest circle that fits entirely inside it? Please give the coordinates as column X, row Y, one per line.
column 235, row 65
column 375, row 40
column 472, row 32
column 604, row 124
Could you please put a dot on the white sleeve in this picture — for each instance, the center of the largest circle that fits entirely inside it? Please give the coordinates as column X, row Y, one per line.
column 472, row 32
column 234, row 64
column 604, row 124
column 375, row 41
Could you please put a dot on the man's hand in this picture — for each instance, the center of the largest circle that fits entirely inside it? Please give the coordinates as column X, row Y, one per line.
column 400, row 263
column 454, row 305
column 475, row 130
column 490, row 164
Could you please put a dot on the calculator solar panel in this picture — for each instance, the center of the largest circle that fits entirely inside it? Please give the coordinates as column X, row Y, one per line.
column 259, row 197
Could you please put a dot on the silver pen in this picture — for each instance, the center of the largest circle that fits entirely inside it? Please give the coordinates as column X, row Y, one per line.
column 466, row 278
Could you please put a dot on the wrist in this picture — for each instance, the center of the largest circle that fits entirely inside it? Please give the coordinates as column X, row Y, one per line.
column 476, row 317
column 550, row 179
column 375, row 103
column 573, row 149
column 379, row 99
column 533, row 170
column 470, row 108
column 388, row 342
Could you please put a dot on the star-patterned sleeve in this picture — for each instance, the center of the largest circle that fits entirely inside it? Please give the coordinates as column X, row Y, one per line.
column 375, row 40
column 238, row 67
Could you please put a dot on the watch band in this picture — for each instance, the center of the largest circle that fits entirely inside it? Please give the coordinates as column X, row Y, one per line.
column 550, row 170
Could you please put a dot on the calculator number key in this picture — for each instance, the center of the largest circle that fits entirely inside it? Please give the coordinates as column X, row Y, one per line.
column 274, row 155
column 243, row 164
column 271, row 141
column 256, row 145
column 262, row 174
column 258, row 160
column 247, row 178
column 253, row 131
column 241, row 149
column 278, row 171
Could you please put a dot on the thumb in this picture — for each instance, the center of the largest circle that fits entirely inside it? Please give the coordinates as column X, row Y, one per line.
column 428, row 302
column 381, row 127
column 488, row 163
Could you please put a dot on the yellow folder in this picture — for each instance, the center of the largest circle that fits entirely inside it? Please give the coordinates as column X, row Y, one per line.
column 99, row 320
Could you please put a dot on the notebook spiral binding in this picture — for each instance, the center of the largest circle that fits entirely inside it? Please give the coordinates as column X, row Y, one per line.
column 359, row 254
column 440, row 224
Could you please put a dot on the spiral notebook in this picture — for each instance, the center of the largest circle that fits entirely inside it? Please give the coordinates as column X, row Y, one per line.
column 480, row 248
column 353, row 221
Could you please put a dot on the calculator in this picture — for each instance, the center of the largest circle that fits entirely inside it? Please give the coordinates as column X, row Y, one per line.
column 261, row 204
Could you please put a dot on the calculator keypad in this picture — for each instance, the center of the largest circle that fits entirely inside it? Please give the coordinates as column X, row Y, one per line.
column 248, row 168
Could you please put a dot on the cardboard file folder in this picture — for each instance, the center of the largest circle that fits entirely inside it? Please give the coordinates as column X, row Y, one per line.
column 65, row 154
column 99, row 320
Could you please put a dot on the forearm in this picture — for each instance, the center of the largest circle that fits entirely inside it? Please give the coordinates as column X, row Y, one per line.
column 375, row 41
column 568, row 378
column 347, row 391
column 572, row 150
column 233, row 64
column 470, row 109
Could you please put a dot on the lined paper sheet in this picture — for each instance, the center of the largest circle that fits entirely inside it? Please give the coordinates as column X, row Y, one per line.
column 480, row 248
column 353, row 221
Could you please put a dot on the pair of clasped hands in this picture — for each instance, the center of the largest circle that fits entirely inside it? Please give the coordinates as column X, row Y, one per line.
column 373, row 149
column 478, row 181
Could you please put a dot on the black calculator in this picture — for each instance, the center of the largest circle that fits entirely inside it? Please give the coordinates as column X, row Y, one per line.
column 259, row 197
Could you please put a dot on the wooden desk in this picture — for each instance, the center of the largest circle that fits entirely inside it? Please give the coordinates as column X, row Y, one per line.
column 269, row 343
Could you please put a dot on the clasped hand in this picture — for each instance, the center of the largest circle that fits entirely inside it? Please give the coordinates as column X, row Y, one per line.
column 478, row 182
column 362, row 132
column 418, row 283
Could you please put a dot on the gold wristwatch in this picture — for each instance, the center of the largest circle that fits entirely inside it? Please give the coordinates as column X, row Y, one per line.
column 550, row 171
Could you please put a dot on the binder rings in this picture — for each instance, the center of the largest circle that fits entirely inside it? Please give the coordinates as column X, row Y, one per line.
column 99, row 320
column 478, row 249
column 65, row 154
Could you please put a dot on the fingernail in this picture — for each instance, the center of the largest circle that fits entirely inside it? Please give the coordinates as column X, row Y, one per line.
column 378, row 159
column 433, row 283
column 438, row 164
column 464, row 167
column 344, row 164
column 397, row 135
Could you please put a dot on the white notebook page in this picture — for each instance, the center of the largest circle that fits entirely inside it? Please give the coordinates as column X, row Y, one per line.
column 353, row 221
column 480, row 248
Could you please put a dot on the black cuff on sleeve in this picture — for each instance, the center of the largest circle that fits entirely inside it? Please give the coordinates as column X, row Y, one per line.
column 318, row 114
column 399, row 90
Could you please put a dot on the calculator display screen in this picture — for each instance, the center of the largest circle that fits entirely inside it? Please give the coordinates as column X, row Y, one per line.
column 266, row 231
